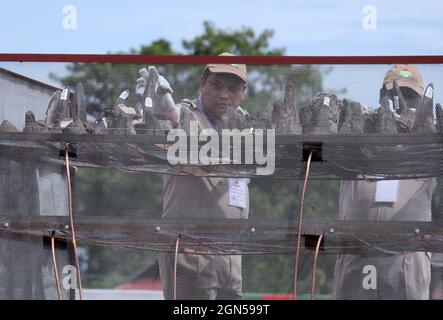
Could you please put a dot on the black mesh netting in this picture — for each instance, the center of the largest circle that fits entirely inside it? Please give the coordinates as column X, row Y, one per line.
column 282, row 185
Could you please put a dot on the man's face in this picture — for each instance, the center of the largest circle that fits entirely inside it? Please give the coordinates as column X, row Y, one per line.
column 412, row 98
column 221, row 90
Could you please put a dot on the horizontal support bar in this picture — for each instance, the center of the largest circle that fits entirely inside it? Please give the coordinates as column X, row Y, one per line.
column 204, row 59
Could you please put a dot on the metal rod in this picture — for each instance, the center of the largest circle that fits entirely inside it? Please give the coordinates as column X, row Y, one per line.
column 174, row 291
column 71, row 218
column 314, row 267
column 54, row 265
column 300, row 221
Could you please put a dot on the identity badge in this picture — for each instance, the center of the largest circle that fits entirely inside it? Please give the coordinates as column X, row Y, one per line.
column 386, row 191
column 237, row 192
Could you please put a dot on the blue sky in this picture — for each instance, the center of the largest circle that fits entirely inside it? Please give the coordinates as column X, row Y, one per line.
column 302, row 27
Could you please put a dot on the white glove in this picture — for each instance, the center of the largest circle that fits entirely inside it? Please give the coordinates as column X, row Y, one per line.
column 166, row 103
column 159, row 90
column 163, row 86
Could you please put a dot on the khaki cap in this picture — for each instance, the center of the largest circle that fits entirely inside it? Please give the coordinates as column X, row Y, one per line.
column 406, row 76
column 237, row 69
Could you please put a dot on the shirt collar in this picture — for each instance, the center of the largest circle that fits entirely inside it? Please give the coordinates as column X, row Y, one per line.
column 213, row 120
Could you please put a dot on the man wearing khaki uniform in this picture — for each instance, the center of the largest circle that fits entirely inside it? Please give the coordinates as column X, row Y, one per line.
column 206, row 276
column 399, row 276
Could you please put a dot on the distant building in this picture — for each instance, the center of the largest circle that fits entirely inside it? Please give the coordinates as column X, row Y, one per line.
column 19, row 94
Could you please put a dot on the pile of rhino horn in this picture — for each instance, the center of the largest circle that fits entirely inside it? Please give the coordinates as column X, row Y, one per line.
column 324, row 114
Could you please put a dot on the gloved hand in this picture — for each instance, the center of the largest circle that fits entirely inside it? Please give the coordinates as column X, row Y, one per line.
column 420, row 120
column 140, row 86
column 157, row 91
column 163, row 86
column 407, row 115
column 394, row 115
column 164, row 103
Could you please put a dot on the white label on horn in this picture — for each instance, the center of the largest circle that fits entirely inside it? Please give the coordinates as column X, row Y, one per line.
column 429, row 92
column 64, row 95
column 124, row 95
column 396, row 102
column 65, row 123
column 391, row 105
column 326, row 101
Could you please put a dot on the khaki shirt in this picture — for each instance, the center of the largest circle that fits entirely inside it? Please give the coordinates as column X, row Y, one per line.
column 414, row 199
column 200, row 276
column 199, row 197
column 401, row 276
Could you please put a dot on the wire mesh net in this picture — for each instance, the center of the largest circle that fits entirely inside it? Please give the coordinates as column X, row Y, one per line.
column 187, row 181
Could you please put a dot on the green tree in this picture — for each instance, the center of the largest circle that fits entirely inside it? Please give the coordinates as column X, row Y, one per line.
column 105, row 81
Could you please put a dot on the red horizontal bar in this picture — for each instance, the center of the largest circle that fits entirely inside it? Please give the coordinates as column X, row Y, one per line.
column 189, row 59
